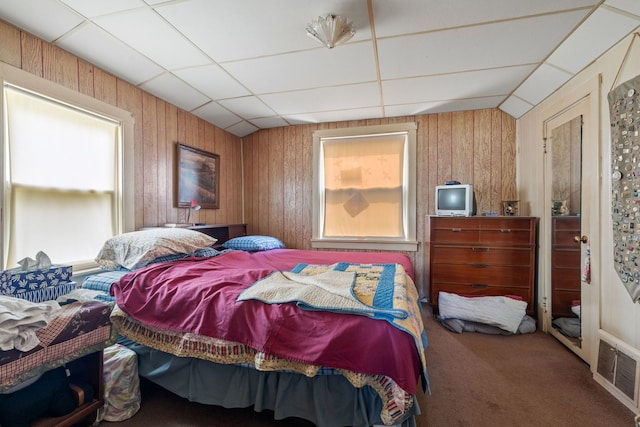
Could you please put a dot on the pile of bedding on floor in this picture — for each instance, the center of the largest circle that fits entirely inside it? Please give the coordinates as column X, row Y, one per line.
column 498, row 315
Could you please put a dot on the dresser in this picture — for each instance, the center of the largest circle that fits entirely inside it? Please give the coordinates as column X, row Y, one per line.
column 565, row 265
column 482, row 256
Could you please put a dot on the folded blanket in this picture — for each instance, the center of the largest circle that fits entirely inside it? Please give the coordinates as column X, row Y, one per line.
column 380, row 291
column 19, row 320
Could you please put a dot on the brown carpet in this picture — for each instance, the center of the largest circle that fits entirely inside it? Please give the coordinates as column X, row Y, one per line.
column 476, row 380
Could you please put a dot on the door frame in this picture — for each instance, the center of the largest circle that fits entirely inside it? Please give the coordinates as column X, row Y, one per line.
column 585, row 102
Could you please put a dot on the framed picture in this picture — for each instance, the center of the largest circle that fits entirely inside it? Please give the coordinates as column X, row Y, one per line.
column 510, row 207
column 198, row 173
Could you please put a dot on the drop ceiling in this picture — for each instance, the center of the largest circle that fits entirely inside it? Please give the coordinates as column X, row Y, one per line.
column 245, row 65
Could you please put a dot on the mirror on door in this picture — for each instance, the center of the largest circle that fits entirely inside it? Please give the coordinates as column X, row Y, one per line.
column 566, row 150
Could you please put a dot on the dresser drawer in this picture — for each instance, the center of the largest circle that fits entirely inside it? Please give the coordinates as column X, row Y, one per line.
column 479, row 230
column 566, row 258
column 562, row 301
column 456, row 235
column 514, row 276
column 566, row 238
column 481, row 255
column 566, row 278
column 511, row 236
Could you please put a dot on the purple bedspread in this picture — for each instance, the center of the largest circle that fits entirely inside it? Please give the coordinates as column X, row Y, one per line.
column 199, row 296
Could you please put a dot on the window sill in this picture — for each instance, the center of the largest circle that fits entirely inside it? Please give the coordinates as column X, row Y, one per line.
column 377, row 245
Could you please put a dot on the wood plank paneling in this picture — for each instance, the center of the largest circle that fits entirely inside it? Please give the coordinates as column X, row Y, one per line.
column 31, row 54
column 10, row 46
column 476, row 147
column 481, row 162
column 158, row 127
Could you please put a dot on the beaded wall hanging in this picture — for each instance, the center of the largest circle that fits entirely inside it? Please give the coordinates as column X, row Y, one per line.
column 624, row 109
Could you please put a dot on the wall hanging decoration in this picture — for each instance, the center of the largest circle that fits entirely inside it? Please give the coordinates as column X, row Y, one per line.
column 198, row 173
column 624, row 110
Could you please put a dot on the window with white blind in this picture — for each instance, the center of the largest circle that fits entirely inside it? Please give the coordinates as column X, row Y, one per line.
column 364, row 188
column 63, row 172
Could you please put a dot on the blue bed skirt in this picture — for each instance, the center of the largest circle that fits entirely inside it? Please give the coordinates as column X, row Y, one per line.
column 325, row 400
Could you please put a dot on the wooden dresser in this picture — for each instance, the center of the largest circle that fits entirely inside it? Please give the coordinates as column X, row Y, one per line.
column 565, row 265
column 482, row 256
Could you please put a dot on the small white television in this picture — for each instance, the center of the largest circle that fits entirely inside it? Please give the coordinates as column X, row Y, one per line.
column 455, row 200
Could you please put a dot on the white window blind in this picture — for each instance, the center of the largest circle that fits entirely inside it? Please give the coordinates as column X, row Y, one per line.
column 61, row 179
column 365, row 188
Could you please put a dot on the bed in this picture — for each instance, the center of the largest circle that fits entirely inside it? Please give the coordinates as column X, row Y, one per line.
column 332, row 337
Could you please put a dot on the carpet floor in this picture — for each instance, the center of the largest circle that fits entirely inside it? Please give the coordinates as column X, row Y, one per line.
column 476, row 380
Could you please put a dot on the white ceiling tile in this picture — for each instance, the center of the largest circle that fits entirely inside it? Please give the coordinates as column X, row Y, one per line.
column 598, row 33
column 255, row 61
column 542, row 82
column 473, row 48
column 473, row 84
column 346, row 64
column 413, row 16
column 269, row 122
column 159, row 41
column 95, row 8
column 217, row 115
column 242, row 129
column 43, row 18
column 100, row 48
column 631, row 6
column 229, row 30
column 248, row 107
column 443, row 106
column 335, row 116
column 213, row 81
column 325, row 99
column 515, row 107
column 169, row 87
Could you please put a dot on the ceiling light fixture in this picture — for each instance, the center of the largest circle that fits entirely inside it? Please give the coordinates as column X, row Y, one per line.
column 331, row 30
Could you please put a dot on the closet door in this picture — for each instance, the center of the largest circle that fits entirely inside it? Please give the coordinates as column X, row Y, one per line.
column 572, row 218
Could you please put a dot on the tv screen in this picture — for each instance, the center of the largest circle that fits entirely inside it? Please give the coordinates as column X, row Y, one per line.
column 455, row 200
column 452, row 198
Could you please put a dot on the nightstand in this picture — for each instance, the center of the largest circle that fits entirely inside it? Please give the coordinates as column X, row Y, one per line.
column 89, row 369
column 221, row 232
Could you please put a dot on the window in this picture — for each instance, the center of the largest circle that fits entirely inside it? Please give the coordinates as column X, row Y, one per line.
column 63, row 173
column 364, row 188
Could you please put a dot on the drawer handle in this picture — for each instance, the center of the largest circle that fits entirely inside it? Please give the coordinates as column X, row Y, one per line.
column 456, row 230
column 480, row 249
column 479, row 265
column 479, row 285
column 505, row 230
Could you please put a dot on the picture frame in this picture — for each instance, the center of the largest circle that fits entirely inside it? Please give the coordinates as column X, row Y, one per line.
column 198, row 177
column 510, row 207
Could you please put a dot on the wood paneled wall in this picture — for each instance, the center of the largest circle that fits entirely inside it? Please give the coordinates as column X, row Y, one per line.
column 158, row 126
column 476, row 147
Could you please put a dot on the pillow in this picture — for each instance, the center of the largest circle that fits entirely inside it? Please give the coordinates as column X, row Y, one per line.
column 136, row 249
column 253, row 243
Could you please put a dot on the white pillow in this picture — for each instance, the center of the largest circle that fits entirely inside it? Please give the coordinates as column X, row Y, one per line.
column 504, row 312
column 136, row 249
